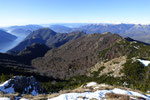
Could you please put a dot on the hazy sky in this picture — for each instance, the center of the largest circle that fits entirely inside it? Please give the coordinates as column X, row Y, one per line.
column 17, row 12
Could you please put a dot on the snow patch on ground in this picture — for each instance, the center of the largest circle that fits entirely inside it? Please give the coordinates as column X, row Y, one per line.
column 34, row 92
column 9, row 87
column 4, row 98
column 24, row 99
column 131, row 93
column 91, row 84
column 136, row 47
column 97, row 94
column 145, row 62
column 4, row 87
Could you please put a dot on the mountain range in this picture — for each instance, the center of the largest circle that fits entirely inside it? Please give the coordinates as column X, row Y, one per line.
column 68, row 61
column 63, row 61
column 75, row 57
column 47, row 37
column 22, row 31
column 24, row 27
column 135, row 31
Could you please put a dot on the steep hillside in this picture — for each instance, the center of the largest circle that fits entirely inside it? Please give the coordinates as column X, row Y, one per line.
column 6, row 37
column 32, row 52
column 75, row 57
column 12, row 65
column 47, row 37
column 5, row 40
column 24, row 57
column 104, row 58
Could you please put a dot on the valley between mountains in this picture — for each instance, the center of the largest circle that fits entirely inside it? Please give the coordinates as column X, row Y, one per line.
column 75, row 66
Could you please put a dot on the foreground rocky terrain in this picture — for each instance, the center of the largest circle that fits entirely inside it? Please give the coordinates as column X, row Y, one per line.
column 94, row 91
column 21, row 85
column 88, row 91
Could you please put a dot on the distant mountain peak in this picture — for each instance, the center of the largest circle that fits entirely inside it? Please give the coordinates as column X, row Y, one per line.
column 61, row 28
column 48, row 37
column 45, row 30
column 107, row 33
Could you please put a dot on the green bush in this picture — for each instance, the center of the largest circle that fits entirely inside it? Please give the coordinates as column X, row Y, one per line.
column 96, row 73
column 4, row 77
column 134, row 71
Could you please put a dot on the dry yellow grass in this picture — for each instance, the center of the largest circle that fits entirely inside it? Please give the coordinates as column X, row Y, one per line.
column 38, row 97
column 112, row 96
column 115, row 65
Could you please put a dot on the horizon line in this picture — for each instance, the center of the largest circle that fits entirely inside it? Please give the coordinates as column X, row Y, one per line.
column 72, row 23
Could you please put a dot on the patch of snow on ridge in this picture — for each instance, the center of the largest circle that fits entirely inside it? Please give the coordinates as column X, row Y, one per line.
column 34, row 92
column 144, row 62
column 75, row 96
column 24, row 99
column 4, row 98
column 136, row 47
column 27, row 85
column 97, row 94
column 6, row 82
column 91, row 84
column 9, row 89
column 131, row 93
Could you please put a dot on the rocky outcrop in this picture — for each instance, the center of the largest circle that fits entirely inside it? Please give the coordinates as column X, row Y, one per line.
column 23, row 85
column 112, row 67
